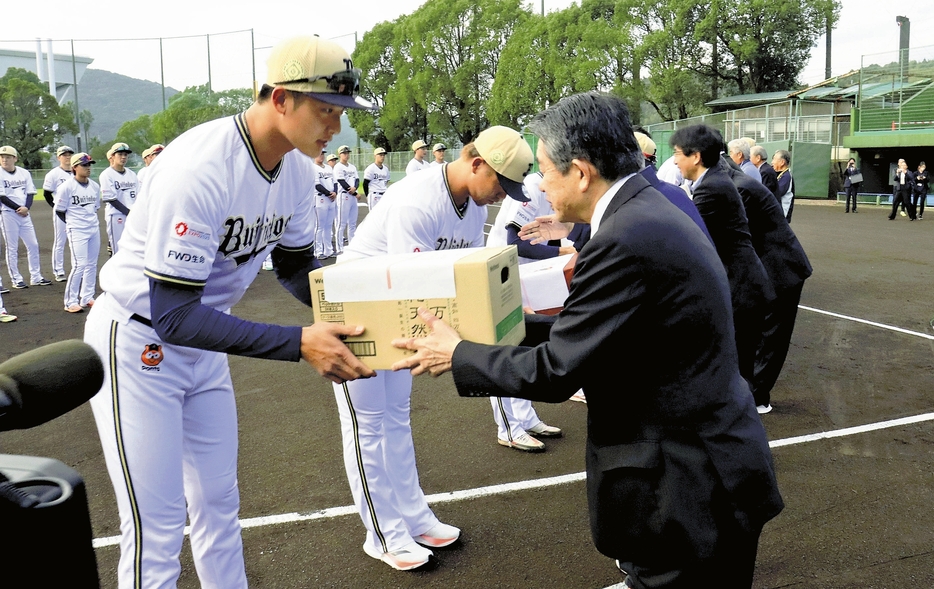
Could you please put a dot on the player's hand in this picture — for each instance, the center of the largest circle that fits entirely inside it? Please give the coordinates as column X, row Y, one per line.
column 332, row 196
column 433, row 352
column 566, row 249
column 544, row 229
column 323, row 349
column 22, row 212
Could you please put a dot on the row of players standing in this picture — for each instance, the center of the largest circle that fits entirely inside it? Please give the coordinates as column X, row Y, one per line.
column 76, row 200
column 337, row 192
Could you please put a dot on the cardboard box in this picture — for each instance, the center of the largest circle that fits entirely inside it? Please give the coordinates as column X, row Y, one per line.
column 545, row 283
column 476, row 291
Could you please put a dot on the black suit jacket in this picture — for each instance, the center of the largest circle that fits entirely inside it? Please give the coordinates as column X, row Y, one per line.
column 769, row 177
column 675, row 447
column 722, row 209
column 775, row 243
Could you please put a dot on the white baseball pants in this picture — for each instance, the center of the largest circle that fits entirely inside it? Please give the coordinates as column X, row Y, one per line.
column 168, row 426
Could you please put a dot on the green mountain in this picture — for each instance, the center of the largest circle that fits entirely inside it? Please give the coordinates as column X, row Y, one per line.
column 114, row 99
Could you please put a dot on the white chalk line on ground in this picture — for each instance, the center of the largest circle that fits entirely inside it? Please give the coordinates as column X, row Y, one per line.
column 284, row 518
column 873, row 323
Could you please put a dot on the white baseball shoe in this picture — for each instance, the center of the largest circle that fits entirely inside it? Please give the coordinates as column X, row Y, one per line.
column 6, row 317
column 543, row 430
column 409, row 557
column 525, row 442
column 439, row 536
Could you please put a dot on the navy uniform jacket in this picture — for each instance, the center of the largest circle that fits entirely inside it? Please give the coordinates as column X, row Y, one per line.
column 775, row 243
column 769, row 177
column 674, row 444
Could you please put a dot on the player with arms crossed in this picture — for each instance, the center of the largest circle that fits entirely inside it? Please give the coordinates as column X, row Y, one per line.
column 325, row 208
column 346, row 182
column 221, row 196
column 436, row 209
column 119, row 187
column 16, row 197
column 76, row 204
column 53, row 180
column 376, row 178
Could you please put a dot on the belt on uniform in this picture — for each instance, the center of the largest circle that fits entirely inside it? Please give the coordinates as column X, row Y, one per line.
column 382, row 193
column 141, row 319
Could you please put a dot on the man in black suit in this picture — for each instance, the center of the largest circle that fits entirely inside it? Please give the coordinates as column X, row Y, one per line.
column 697, row 155
column 787, row 266
column 760, row 158
column 679, row 475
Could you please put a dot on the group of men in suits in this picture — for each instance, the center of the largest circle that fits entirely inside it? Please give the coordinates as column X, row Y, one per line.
column 680, row 479
column 765, row 263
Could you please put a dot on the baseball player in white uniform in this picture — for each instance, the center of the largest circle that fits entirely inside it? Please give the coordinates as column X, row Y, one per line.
column 220, row 196
column 325, row 208
column 76, row 204
column 16, row 199
column 442, row 208
column 418, row 163
column 53, row 180
column 515, row 418
column 119, row 187
column 376, row 178
column 438, row 151
column 346, row 182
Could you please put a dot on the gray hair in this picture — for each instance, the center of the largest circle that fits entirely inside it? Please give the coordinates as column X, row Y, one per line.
column 593, row 127
column 759, row 151
column 739, row 146
column 784, row 155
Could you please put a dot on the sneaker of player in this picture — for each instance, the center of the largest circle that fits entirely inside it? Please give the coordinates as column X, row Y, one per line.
column 42, row 282
column 579, row 397
column 19, row 285
column 6, row 317
column 3, row 289
column 60, row 278
column 525, row 442
column 267, row 264
column 543, row 430
column 439, row 536
column 89, row 304
column 409, row 557
column 903, row 214
column 763, row 409
column 76, row 308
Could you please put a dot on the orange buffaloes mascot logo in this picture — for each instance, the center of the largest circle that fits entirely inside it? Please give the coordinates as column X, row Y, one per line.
column 152, row 355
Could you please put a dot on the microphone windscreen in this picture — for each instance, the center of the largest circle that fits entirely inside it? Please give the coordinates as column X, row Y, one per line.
column 51, row 381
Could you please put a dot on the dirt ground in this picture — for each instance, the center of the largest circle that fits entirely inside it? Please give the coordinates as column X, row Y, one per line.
column 858, row 508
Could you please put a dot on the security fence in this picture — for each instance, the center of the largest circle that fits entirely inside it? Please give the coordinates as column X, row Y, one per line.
column 896, row 91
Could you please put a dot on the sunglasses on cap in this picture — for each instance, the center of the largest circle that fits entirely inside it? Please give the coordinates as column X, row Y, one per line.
column 345, row 82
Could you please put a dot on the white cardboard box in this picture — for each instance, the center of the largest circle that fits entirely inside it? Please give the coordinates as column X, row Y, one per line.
column 476, row 291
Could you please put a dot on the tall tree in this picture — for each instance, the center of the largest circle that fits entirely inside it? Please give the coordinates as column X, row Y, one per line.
column 31, row 120
column 765, row 43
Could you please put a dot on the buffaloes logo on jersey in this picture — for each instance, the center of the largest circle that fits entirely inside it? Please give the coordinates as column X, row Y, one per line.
column 152, row 356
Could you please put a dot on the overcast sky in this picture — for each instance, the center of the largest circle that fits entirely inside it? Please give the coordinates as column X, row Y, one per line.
column 865, row 27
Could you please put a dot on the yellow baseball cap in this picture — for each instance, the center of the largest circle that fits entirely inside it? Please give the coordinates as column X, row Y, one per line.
column 379, row 151
column 317, row 67
column 332, row 157
column 418, row 145
column 504, row 150
column 9, row 150
column 646, row 144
